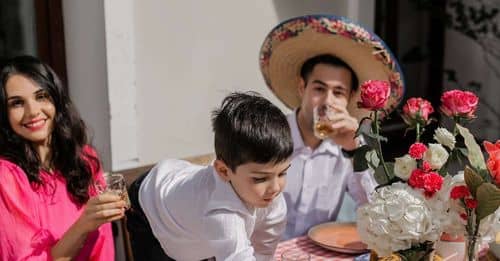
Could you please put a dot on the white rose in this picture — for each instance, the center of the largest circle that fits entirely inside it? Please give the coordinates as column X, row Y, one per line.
column 436, row 155
column 372, row 158
column 444, row 137
column 403, row 166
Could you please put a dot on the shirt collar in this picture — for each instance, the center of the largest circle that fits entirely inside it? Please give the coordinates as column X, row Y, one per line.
column 327, row 146
column 224, row 197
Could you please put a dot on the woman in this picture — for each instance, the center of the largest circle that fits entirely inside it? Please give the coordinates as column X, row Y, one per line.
column 49, row 205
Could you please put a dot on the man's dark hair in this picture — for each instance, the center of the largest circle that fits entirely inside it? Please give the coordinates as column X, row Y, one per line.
column 327, row 59
column 249, row 128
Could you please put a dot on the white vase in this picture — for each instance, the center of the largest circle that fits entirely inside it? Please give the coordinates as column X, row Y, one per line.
column 450, row 249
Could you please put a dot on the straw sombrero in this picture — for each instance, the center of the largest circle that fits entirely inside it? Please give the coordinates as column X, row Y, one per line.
column 294, row 41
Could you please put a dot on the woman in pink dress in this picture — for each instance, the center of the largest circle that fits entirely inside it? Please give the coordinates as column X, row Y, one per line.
column 49, row 205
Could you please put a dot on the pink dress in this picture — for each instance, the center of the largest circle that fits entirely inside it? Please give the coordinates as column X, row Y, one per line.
column 33, row 219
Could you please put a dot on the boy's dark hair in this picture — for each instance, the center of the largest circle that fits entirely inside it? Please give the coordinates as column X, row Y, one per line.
column 328, row 59
column 249, row 128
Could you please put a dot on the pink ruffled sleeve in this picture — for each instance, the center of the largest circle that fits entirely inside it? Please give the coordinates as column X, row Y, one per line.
column 20, row 237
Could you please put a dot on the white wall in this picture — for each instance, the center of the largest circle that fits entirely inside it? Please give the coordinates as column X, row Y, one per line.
column 146, row 74
column 190, row 54
column 86, row 65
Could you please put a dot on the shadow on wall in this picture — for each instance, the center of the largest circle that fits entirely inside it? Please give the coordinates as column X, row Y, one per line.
column 286, row 9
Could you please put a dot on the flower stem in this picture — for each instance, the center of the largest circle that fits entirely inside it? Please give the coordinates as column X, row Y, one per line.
column 418, row 131
column 379, row 147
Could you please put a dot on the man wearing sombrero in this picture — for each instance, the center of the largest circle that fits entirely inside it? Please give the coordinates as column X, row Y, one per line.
column 320, row 60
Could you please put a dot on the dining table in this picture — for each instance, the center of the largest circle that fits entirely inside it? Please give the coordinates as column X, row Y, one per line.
column 306, row 245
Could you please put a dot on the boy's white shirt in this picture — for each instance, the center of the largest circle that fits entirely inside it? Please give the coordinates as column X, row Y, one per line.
column 317, row 181
column 195, row 215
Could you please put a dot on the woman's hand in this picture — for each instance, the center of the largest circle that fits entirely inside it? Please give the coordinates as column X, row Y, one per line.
column 101, row 209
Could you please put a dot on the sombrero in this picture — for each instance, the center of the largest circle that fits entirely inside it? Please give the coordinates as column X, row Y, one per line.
column 294, row 41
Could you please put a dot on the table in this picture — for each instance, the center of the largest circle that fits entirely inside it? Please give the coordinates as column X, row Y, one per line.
column 307, row 246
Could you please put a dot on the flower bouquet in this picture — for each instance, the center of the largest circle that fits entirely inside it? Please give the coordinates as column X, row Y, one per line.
column 410, row 208
column 475, row 194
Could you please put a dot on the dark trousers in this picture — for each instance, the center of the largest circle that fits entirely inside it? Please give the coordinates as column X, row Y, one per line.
column 144, row 244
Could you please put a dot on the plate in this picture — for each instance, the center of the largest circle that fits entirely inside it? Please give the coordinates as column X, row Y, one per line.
column 339, row 237
column 363, row 257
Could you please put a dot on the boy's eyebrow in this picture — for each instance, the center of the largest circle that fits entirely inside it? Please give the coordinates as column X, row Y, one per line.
column 267, row 172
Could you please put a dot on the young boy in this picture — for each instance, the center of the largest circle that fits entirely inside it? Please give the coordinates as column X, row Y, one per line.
column 231, row 210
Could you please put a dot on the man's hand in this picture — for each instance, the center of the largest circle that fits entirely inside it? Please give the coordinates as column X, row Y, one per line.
column 344, row 128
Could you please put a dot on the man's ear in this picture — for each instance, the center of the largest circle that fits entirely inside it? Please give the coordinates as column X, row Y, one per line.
column 301, row 87
column 222, row 170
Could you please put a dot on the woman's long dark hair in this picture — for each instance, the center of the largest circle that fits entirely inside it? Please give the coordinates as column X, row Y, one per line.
column 68, row 137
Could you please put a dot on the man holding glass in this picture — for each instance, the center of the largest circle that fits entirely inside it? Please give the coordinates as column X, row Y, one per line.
column 313, row 63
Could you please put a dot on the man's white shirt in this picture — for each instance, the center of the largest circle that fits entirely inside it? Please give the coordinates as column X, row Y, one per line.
column 316, row 182
column 195, row 215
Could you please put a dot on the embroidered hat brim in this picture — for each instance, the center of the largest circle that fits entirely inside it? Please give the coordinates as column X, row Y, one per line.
column 291, row 43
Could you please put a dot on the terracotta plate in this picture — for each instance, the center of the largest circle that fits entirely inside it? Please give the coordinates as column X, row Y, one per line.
column 340, row 237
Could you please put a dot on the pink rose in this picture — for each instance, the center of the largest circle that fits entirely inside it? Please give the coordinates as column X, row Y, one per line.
column 459, row 103
column 417, row 150
column 374, row 94
column 417, row 110
column 493, row 162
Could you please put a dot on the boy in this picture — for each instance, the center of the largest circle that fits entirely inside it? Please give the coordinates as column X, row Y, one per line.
column 233, row 209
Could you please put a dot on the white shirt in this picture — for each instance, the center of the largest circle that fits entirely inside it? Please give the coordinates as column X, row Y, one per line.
column 316, row 182
column 196, row 215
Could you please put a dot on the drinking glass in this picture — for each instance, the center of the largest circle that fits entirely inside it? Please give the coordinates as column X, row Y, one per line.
column 295, row 255
column 115, row 183
column 322, row 116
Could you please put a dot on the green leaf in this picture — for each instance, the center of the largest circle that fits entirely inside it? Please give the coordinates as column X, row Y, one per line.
column 372, row 142
column 463, row 151
column 359, row 160
column 473, row 180
column 475, row 154
column 421, row 251
column 485, row 174
column 488, row 197
column 375, row 136
column 384, row 178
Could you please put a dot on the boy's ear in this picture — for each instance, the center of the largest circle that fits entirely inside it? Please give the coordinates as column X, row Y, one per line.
column 222, row 170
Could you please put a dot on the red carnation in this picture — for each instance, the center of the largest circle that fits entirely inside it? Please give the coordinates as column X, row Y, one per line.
column 432, row 183
column 417, row 150
column 471, row 203
column 463, row 216
column 374, row 94
column 459, row 192
column 416, row 179
column 426, row 166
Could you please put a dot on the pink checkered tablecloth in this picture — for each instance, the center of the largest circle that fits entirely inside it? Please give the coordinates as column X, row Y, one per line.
column 307, row 246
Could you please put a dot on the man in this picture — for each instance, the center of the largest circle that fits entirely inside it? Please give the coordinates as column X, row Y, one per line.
column 320, row 60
